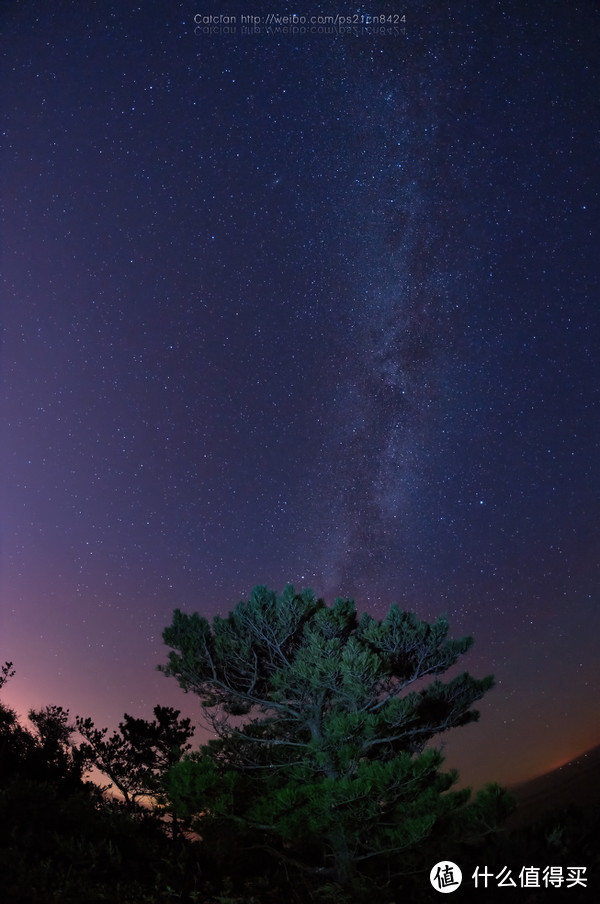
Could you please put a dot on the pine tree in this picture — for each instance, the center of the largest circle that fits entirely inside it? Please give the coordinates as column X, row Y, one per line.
column 323, row 721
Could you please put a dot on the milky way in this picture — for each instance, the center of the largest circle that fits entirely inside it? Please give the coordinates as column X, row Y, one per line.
column 399, row 308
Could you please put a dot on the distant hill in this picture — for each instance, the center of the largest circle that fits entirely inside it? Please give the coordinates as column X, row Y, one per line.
column 577, row 782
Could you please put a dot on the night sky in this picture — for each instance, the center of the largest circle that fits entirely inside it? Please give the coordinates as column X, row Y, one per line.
column 317, row 308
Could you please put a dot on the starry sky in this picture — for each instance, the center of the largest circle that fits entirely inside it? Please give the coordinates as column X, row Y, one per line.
column 317, row 306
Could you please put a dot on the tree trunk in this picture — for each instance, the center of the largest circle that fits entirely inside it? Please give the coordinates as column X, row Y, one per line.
column 343, row 861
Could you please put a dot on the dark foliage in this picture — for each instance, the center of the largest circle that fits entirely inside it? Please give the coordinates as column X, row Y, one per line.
column 136, row 756
column 61, row 840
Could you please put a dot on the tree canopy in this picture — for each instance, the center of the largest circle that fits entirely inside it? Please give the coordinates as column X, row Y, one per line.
column 323, row 720
column 136, row 756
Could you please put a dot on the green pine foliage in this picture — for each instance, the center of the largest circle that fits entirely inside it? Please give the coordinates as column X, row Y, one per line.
column 323, row 723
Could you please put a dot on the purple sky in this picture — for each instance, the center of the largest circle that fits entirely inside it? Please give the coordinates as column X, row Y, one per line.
column 318, row 308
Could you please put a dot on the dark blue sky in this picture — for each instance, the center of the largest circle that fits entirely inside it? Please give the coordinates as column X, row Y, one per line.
column 317, row 307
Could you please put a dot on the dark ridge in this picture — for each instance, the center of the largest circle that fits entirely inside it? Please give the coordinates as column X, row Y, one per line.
column 576, row 783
